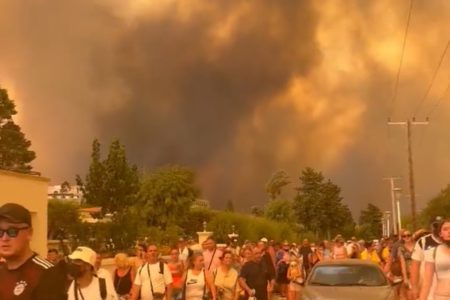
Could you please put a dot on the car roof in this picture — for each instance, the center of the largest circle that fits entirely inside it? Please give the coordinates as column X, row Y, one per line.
column 346, row 262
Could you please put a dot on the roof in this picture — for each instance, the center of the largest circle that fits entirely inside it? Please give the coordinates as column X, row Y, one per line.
column 348, row 261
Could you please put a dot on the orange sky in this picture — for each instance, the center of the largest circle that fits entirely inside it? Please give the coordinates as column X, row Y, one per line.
column 237, row 90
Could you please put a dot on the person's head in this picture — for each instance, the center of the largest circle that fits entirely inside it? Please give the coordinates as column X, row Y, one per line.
column 15, row 231
column 196, row 261
column 305, row 243
column 209, row 244
column 369, row 245
column 140, row 250
column 82, row 262
column 152, row 253
column 262, row 243
column 286, row 246
column 326, row 244
column 256, row 254
column 246, row 253
column 339, row 242
column 321, row 247
column 121, row 260
column 53, row 255
column 181, row 243
column 407, row 236
column 435, row 225
column 227, row 258
column 174, row 254
column 444, row 232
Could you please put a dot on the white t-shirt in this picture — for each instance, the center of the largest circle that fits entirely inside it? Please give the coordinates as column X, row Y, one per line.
column 159, row 281
column 103, row 273
column 92, row 291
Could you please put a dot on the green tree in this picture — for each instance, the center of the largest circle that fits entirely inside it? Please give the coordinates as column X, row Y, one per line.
column 14, row 147
column 280, row 210
column 112, row 183
column 277, row 181
column 318, row 205
column 371, row 220
column 167, row 195
column 256, row 211
column 63, row 217
column 438, row 206
column 230, row 205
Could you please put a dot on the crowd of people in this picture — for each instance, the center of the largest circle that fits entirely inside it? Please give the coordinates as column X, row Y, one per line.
column 418, row 264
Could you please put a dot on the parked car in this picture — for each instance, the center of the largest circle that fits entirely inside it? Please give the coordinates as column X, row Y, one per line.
column 349, row 279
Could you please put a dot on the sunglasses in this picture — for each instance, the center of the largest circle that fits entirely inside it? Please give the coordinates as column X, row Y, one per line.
column 12, row 232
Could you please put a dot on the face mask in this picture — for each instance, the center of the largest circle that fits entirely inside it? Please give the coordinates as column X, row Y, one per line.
column 75, row 270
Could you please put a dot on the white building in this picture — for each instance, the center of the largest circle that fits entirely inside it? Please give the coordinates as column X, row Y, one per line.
column 65, row 192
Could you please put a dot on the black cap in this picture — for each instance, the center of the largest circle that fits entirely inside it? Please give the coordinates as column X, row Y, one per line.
column 15, row 213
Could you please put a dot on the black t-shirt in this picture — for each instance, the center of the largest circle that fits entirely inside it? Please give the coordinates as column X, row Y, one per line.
column 256, row 277
column 36, row 279
column 305, row 252
column 268, row 264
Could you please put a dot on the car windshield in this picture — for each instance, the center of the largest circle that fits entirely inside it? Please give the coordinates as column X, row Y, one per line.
column 347, row 275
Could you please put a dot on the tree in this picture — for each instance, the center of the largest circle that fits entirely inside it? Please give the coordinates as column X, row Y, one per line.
column 277, row 181
column 318, row 206
column 371, row 220
column 63, row 218
column 230, row 205
column 438, row 206
column 65, row 187
column 280, row 210
column 112, row 183
column 14, row 147
column 256, row 211
column 167, row 195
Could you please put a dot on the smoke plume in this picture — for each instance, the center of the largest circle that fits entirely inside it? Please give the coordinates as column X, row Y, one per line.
column 234, row 89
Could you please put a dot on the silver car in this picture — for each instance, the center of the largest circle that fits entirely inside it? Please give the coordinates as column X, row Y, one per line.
column 349, row 279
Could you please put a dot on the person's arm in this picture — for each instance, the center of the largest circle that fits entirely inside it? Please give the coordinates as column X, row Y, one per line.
column 51, row 286
column 403, row 267
column 168, row 281
column 427, row 280
column 136, row 289
column 210, row 284
column 245, row 287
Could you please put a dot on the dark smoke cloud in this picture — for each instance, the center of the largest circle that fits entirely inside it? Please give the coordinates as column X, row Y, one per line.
column 235, row 89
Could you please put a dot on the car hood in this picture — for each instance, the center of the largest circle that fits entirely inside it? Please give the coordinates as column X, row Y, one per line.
column 348, row 292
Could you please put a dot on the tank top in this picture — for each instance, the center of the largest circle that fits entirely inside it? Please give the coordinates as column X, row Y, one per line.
column 123, row 284
column 176, row 275
column 195, row 285
column 442, row 263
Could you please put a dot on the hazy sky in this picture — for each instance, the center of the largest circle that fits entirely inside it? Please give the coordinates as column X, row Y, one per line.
column 234, row 89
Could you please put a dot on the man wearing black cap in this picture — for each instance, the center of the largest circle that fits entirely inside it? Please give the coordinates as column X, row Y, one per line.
column 25, row 275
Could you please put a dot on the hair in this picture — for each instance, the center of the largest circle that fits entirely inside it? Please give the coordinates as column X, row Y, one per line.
column 192, row 258
column 143, row 246
column 444, row 221
column 121, row 260
column 225, row 253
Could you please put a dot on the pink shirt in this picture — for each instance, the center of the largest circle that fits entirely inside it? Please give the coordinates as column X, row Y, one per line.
column 213, row 255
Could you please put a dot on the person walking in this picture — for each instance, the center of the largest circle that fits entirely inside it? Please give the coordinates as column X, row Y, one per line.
column 437, row 264
column 339, row 250
column 211, row 254
column 404, row 255
column 198, row 282
column 305, row 255
column 176, row 267
column 225, row 278
column 427, row 242
column 123, row 276
column 254, row 278
column 153, row 279
column 23, row 274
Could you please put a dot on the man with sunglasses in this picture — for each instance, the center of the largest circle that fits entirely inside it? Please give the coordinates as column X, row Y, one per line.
column 25, row 276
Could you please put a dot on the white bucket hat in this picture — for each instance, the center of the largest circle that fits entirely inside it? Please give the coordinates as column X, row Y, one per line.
column 84, row 254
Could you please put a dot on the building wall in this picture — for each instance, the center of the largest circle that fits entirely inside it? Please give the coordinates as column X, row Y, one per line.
column 31, row 192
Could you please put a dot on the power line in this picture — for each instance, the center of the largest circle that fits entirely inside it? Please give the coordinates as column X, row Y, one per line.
column 433, row 79
column 439, row 101
column 394, row 96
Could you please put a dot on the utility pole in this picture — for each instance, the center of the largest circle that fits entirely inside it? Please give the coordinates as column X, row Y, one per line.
column 397, row 192
column 393, row 214
column 409, row 124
